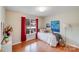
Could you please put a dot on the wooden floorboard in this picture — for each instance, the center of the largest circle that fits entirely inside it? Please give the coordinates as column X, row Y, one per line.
column 40, row 46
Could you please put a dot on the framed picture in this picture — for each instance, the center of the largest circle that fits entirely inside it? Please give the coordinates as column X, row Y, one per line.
column 55, row 26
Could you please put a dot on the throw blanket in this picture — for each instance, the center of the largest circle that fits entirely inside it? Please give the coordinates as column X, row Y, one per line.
column 59, row 39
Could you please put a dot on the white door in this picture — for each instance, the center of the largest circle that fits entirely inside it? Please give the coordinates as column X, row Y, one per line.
column 0, row 35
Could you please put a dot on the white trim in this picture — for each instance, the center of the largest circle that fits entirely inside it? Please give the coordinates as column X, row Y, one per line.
column 16, row 43
column 73, row 45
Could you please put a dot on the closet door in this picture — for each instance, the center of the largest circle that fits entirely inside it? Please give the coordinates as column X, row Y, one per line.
column 1, row 32
column 23, row 28
column 0, row 35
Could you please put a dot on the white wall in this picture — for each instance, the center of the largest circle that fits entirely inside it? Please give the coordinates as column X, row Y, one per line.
column 2, row 19
column 14, row 19
column 72, row 33
column 72, row 17
column 41, row 22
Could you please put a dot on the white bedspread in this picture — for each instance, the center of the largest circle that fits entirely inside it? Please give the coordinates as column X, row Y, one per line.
column 48, row 38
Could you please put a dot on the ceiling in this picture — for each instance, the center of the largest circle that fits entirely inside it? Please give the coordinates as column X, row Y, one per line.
column 51, row 10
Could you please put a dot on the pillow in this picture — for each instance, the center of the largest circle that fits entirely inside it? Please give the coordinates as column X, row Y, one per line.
column 48, row 30
column 42, row 30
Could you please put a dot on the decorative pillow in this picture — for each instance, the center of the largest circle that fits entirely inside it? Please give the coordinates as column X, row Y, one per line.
column 48, row 30
column 42, row 30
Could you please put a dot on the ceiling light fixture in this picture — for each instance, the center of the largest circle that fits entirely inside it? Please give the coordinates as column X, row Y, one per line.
column 42, row 9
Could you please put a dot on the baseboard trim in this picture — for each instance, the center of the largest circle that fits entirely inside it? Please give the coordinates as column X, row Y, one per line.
column 20, row 42
column 72, row 45
column 16, row 43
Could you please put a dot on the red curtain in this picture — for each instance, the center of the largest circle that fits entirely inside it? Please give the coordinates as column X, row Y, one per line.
column 23, row 28
column 36, row 27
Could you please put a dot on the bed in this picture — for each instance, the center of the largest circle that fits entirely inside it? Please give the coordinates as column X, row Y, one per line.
column 48, row 38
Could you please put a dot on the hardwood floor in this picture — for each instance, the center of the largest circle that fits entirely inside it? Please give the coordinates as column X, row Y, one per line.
column 40, row 46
